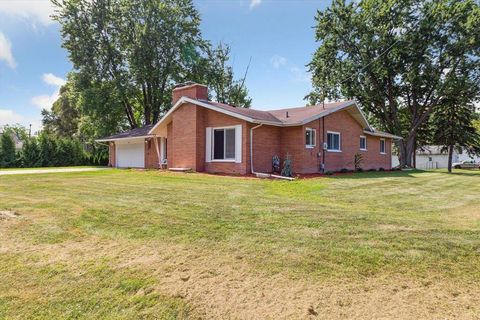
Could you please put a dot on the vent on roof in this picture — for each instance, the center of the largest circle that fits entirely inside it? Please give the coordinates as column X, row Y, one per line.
column 286, row 114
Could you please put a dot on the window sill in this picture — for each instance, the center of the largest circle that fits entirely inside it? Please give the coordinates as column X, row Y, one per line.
column 224, row 160
column 383, row 153
column 309, row 146
column 363, row 149
column 330, row 150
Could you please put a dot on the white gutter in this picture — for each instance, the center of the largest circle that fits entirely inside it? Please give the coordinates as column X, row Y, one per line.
column 126, row 138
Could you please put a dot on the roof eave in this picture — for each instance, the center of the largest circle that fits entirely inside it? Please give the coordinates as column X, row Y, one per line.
column 383, row 135
column 126, row 138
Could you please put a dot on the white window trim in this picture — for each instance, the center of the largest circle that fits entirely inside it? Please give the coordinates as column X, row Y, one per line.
column 384, row 146
column 314, row 135
column 238, row 143
column 366, row 146
column 339, row 141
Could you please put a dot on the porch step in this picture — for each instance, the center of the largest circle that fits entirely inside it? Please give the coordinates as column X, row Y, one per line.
column 180, row 169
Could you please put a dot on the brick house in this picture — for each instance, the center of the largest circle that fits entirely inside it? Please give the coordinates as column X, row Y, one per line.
column 207, row 136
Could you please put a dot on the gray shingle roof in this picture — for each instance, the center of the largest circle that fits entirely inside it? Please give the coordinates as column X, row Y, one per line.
column 134, row 133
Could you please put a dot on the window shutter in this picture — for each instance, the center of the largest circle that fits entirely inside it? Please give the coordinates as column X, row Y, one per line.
column 208, row 144
column 238, row 143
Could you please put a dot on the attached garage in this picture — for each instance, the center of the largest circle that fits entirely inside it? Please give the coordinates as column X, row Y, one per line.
column 135, row 148
column 130, row 154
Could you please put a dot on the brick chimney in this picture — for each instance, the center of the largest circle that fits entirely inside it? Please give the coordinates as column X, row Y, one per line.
column 191, row 90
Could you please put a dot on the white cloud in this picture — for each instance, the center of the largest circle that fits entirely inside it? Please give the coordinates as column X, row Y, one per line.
column 46, row 101
column 254, row 3
column 8, row 116
column 37, row 10
column 300, row 75
column 51, row 79
column 6, row 51
column 278, row 61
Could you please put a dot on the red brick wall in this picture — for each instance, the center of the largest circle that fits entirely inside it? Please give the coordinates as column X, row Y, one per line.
column 170, row 138
column 307, row 160
column 195, row 91
column 186, row 143
column 151, row 156
column 216, row 119
column 266, row 144
column 111, row 154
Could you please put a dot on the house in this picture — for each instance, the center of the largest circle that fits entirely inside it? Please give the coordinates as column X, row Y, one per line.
column 207, row 136
column 436, row 157
column 17, row 140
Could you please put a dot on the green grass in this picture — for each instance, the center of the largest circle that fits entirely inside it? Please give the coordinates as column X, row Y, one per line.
column 49, row 168
column 354, row 226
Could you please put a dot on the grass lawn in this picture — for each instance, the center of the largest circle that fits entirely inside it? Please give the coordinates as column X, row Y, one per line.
column 48, row 168
column 129, row 244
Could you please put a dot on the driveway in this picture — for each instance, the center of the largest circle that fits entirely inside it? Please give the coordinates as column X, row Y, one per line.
column 48, row 170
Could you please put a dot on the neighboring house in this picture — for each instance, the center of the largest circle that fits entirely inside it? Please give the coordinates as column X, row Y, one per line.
column 16, row 139
column 207, row 136
column 434, row 157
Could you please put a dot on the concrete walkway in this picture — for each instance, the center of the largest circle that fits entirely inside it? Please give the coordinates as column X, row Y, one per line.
column 48, row 170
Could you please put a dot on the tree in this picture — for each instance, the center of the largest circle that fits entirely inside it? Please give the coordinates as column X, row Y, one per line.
column 63, row 119
column 453, row 122
column 30, row 155
column 7, row 150
column 221, row 79
column 47, row 150
column 396, row 58
column 142, row 47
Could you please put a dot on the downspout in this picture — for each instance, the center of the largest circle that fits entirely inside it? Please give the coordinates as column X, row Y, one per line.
column 251, row 147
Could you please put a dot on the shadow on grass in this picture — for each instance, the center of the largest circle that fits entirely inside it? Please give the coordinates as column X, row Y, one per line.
column 464, row 172
column 379, row 174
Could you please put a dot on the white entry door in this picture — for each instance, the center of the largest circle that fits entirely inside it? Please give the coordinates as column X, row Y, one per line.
column 130, row 154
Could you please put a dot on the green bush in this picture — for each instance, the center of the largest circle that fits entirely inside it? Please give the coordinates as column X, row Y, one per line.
column 344, row 170
column 328, row 173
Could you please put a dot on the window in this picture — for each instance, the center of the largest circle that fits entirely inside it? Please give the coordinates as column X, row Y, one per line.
column 224, row 144
column 333, row 141
column 382, row 146
column 310, row 137
column 363, row 143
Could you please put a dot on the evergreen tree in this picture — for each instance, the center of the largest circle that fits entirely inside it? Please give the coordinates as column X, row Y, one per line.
column 47, row 152
column 7, row 150
column 30, row 154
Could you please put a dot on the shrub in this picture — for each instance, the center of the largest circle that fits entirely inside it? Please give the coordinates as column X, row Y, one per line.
column 381, row 169
column 372, row 170
column 328, row 173
column 359, row 169
column 344, row 170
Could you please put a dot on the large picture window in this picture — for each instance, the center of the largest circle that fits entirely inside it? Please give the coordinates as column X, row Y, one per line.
column 224, row 144
column 333, row 141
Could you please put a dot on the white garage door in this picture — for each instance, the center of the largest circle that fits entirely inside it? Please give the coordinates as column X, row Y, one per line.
column 131, row 154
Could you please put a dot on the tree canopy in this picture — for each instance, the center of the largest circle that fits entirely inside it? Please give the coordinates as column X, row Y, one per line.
column 138, row 51
column 398, row 59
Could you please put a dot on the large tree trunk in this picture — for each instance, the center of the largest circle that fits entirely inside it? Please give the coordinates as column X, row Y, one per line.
column 450, row 156
column 406, row 150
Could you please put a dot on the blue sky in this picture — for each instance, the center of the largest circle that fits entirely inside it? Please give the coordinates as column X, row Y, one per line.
column 277, row 35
